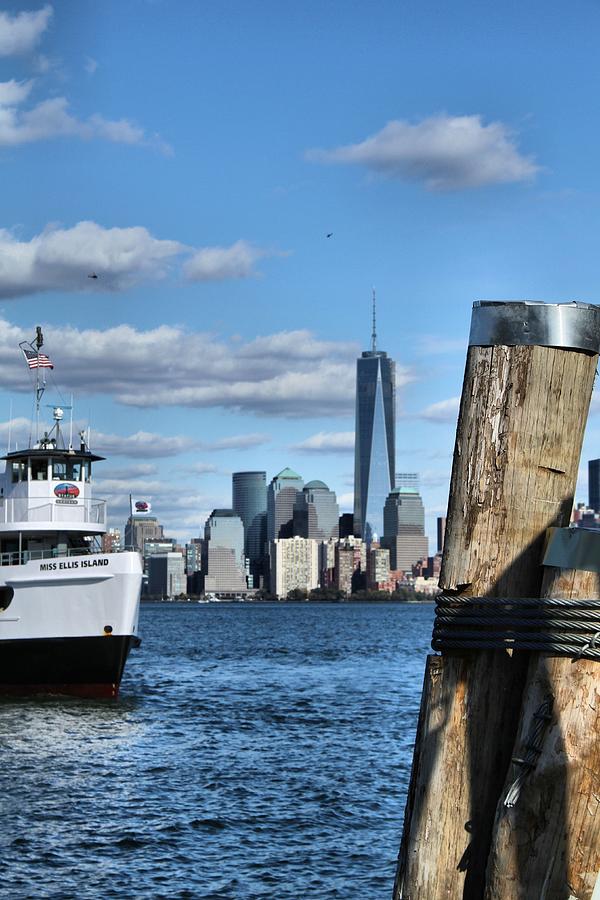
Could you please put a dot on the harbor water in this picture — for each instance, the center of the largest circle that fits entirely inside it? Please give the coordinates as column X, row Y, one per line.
column 256, row 751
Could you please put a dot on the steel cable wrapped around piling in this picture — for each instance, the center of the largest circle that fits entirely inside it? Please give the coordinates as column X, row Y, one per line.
column 558, row 627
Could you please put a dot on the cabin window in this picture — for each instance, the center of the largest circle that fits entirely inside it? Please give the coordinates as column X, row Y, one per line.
column 18, row 472
column 59, row 469
column 39, row 470
column 74, row 470
column 86, row 470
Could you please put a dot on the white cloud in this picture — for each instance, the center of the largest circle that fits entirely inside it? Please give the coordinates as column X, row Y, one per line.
column 20, row 33
column 443, row 411
column 237, row 442
column 346, row 502
column 168, row 366
column 62, row 258
column 13, row 92
column 219, row 263
column 200, row 468
column 444, row 152
column 327, row 442
column 138, row 470
column 51, row 119
column 143, row 444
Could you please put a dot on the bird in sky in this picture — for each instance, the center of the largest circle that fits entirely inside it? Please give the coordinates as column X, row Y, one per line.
column 330, row 234
column 92, row 275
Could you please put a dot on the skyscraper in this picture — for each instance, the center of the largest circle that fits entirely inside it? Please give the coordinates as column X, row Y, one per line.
column 224, row 562
column 375, row 437
column 281, row 496
column 249, row 501
column 316, row 512
column 404, row 528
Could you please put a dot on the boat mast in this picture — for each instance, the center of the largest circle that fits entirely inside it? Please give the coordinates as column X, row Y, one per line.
column 39, row 388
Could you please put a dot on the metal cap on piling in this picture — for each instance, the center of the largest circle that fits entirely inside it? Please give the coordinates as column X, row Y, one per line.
column 571, row 326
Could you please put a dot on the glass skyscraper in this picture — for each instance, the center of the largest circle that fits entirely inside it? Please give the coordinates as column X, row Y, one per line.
column 249, row 496
column 375, row 438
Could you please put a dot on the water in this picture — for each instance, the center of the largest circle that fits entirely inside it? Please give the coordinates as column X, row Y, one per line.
column 257, row 751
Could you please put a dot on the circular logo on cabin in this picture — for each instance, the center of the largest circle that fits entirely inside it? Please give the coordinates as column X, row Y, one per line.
column 141, row 506
column 66, row 491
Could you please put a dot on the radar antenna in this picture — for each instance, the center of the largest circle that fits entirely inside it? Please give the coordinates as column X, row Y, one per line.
column 374, row 332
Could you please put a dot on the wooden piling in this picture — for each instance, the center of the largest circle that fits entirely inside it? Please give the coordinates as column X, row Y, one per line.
column 548, row 845
column 520, row 429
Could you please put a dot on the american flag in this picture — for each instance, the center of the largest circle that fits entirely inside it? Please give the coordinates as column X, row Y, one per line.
column 36, row 360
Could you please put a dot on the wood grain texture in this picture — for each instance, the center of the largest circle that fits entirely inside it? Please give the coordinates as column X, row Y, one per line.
column 521, row 422
column 548, row 845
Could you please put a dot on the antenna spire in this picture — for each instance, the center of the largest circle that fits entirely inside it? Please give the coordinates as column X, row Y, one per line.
column 374, row 332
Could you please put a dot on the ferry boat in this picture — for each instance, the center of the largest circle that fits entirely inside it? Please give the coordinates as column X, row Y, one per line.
column 68, row 611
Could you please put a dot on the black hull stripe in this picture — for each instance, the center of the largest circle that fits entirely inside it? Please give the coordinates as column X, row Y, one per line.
column 83, row 666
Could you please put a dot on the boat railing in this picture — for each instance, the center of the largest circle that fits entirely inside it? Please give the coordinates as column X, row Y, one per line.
column 86, row 512
column 17, row 558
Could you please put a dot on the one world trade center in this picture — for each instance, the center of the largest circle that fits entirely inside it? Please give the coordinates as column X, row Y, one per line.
column 375, row 438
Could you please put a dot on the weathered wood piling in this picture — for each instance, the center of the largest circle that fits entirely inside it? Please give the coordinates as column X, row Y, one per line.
column 526, row 392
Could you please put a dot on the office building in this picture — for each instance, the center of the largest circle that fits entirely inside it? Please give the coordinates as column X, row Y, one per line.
column 294, row 565
column 594, row 484
column 316, row 512
column 407, row 480
column 193, row 556
column 249, row 501
column 346, row 525
column 140, row 529
column 281, row 497
column 404, row 528
column 223, row 562
column 166, row 575
column 374, row 442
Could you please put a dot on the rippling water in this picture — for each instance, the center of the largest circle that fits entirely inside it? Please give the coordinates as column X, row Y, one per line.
column 256, row 751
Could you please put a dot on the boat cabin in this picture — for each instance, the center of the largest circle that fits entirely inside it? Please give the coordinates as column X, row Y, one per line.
column 46, row 505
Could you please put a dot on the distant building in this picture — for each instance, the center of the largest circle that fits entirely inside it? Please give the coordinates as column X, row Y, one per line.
column 585, row 517
column 166, row 575
column 378, row 568
column 294, row 565
column 327, row 562
column 404, row 528
column 407, row 480
column 111, row 541
column 249, row 501
column 223, row 563
column 375, row 436
column 316, row 512
column 350, row 565
column 594, row 484
column 140, row 529
column 193, row 556
column 281, row 497
column 346, row 525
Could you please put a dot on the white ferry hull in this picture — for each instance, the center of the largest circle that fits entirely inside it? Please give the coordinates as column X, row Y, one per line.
column 70, row 624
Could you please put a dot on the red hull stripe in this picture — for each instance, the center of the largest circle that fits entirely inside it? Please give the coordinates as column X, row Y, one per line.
column 104, row 691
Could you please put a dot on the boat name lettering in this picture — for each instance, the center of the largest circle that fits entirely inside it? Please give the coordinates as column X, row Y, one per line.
column 72, row 564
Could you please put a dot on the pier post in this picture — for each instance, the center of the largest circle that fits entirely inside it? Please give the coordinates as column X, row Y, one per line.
column 548, row 844
column 527, row 386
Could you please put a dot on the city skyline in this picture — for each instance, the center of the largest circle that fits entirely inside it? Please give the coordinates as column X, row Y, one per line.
column 237, row 203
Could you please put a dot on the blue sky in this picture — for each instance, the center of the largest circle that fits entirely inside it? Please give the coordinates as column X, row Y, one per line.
column 195, row 155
